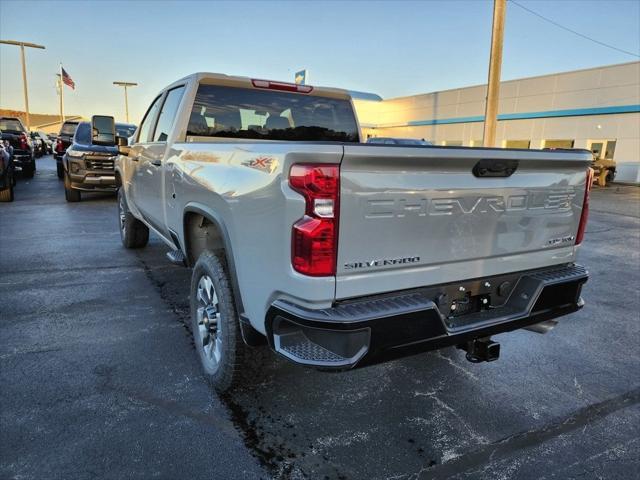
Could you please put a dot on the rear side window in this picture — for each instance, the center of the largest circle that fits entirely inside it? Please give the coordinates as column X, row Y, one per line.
column 68, row 128
column 83, row 133
column 168, row 114
column 11, row 125
column 149, row 118
column 233, row 112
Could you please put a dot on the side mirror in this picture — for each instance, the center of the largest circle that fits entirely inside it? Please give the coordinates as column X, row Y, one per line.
column 123, row 145
column 103, row 130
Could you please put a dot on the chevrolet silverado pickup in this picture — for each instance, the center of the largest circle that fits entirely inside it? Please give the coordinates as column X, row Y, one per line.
column 341, row 254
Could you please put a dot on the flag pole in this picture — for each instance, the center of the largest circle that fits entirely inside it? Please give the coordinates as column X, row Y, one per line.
column 58, row 87
column 61, row 96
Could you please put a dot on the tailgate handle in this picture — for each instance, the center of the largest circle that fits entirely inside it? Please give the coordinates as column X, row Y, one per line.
column 493, row 167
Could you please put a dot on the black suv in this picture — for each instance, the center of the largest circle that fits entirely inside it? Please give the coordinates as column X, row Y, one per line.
column 65, row 137
column 23, row 157
column 89, row 167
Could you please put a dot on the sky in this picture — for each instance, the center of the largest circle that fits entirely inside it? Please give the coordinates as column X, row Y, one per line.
column 389, row 48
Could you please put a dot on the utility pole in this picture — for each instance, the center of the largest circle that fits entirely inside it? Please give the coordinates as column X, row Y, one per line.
column 126, row 98
column 495, row 64
column 24, row 73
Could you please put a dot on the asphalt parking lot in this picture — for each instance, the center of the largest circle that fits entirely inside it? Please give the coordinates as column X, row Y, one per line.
column 98, row 378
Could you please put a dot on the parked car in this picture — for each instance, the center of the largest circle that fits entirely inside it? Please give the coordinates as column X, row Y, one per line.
column 46, row 142
column 7, row 181
column 65, row 137
column 89, row 166
column 399, row 141
column 23, row 156
column 38, row 145
column 340, row 254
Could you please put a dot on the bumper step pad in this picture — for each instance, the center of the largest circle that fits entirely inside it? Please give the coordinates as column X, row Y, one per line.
column 298, row 346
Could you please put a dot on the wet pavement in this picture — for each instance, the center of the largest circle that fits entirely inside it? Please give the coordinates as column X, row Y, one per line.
column 98, row 377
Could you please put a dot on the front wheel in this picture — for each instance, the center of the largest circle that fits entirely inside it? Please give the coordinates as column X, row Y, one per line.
column 215, row 324
column 133, row 233
column 70, row 194
column 610, row 176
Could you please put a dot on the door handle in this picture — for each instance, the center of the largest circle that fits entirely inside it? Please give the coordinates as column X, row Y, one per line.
column 157, row 163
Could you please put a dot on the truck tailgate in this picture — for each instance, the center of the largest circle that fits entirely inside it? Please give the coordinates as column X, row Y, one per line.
column 415, row 216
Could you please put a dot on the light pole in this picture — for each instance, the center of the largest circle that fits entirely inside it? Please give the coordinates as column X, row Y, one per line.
column 495, row 64
column 126, row 98
column 24, row 72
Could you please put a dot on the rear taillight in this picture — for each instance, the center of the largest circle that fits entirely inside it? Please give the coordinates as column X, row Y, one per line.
column 284, row 86
column 314, row 241
column 585, row 208
column 23, row 142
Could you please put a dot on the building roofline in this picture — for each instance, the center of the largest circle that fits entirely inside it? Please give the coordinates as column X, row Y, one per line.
column 516, row 80
column 70, row 118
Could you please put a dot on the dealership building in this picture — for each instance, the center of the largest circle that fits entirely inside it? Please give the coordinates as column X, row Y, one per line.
column 597, row 109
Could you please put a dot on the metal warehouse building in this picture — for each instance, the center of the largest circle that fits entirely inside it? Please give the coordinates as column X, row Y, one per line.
column 596, row 108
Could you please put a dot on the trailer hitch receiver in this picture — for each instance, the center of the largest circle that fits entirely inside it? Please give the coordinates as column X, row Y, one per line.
column 481, row 350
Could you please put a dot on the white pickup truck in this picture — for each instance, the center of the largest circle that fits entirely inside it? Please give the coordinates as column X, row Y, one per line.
column 341, row 254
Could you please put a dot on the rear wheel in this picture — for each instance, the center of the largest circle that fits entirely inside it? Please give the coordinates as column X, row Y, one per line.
column 215, row 324
column 133, row 232
column 70, row 194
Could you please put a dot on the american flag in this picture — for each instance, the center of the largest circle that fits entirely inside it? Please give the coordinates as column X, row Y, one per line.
column 67, row 79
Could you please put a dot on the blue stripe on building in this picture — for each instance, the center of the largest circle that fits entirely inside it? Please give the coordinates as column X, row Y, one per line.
column 572, row 112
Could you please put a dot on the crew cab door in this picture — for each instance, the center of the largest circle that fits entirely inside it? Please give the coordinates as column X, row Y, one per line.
column 135, row 184
column 149, row 178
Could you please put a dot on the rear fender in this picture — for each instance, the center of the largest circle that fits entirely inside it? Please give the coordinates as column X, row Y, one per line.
column 249, row 334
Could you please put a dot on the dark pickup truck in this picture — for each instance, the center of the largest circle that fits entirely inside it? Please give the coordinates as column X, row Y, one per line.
column 65, row 137
column 89, row 167
column 23, row 157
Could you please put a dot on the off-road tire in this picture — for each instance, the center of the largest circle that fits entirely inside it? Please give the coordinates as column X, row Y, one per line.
column 6, row 195
column 70, row 194
column 133, row 233
column 232, row 364
column 610, row 177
